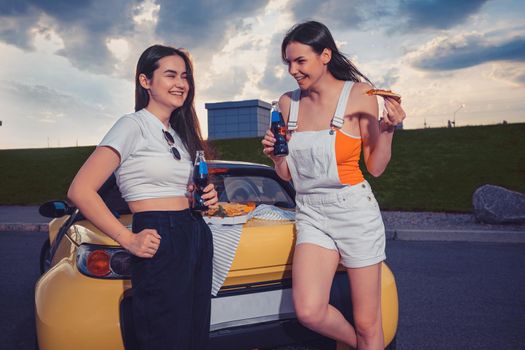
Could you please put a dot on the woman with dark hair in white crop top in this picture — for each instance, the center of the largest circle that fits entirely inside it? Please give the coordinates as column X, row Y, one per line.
column 151, row 153
column 331, row 119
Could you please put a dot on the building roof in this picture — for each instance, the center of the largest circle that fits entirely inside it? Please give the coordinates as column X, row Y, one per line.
column 238, row 104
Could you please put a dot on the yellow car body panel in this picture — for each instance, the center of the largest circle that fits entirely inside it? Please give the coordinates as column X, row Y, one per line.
column 389, row 304
column 75, row 311
column 258, row 258
column 86, row 232
column 54, row 226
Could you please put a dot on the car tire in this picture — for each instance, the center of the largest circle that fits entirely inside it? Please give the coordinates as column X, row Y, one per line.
column 393, row 344
column 44, row 256
column 319, row 344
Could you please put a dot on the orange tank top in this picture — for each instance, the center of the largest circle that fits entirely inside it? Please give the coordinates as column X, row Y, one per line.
column 347, row 153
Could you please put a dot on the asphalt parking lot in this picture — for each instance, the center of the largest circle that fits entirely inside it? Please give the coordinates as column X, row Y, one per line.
column 452, row 295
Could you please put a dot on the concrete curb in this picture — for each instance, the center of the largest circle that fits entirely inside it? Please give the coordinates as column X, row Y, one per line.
column 41, row 227
column 459, row 235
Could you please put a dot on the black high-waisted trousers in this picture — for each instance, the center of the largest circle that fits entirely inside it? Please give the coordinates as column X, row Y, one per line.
column 172, row 290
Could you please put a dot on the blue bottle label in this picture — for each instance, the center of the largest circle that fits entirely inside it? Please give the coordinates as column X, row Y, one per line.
column 203, row 168
column 276, row 116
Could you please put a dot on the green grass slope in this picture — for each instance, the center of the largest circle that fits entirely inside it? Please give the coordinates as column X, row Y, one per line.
column 431, row 169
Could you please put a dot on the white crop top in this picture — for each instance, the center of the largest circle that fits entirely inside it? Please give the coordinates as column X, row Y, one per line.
column 147, row 167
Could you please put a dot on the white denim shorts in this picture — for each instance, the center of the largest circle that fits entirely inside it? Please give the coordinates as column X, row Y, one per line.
column 347, row 220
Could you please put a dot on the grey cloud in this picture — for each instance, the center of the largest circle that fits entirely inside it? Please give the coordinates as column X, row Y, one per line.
column 388, row 79
column 96, row 15
column 204, row 24
column 84, row 27
column 49, row 102
column 514, row 72
column 437, row 14
column 469, row 51
column 228, row 85
column 338, row 14
column 40, row 116
column 270, row 81
column 17, row 31
column 43, row 96
column 59, row 8
column 334, row 14
column 363, row 14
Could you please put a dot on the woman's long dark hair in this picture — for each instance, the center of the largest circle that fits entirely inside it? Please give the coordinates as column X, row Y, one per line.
column 318, row 37
column 183, row 119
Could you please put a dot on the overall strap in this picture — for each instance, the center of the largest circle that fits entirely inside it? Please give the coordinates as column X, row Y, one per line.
column 339, row 115
column 294, row 110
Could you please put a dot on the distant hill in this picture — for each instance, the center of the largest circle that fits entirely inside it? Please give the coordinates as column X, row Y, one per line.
column 431, row 169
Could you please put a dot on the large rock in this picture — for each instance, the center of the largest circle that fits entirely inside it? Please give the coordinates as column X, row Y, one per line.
column 498, row 205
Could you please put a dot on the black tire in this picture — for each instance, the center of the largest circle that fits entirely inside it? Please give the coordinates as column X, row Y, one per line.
column 44, row 256
column 325, row 344
column 317, row 344
column 36, row 347
column 393, row 344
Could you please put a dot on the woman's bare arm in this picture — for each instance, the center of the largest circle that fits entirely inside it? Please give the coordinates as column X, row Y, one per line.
column 83, row 192
column 376, row 136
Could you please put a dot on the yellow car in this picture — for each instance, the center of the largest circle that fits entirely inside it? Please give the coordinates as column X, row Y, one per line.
column 83, row 298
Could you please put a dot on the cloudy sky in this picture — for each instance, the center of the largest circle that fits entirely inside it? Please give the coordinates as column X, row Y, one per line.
column 66, row 67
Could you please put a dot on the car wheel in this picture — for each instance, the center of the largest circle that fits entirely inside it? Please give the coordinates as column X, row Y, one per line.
column 319, row 344
column 393, row 344
column 45, row 251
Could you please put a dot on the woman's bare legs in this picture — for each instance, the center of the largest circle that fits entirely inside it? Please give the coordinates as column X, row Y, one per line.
column 312, row 275
column 365, row 285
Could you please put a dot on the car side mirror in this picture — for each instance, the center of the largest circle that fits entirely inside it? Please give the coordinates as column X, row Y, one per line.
column 55, row 209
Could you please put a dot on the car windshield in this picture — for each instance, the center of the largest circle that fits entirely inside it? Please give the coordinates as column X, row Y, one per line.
column 257, row 189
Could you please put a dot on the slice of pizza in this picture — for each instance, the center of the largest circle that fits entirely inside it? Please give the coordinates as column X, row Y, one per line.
column 384, row 93
column 225, row 209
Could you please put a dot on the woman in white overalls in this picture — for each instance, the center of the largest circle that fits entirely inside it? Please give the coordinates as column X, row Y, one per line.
column 331, row 120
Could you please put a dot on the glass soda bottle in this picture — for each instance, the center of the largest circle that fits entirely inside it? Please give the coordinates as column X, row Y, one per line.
column 278, row 127
column 200, row 181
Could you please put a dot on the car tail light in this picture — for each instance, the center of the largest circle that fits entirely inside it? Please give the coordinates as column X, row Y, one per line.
column 104, row 262
column 121, row 263
column 98, row 263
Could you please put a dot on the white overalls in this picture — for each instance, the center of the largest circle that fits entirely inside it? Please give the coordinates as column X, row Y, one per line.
column 329, row 214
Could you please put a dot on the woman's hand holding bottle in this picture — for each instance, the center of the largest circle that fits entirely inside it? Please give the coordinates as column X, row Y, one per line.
column 268, row 143
column 276, row 139
column 210, row 195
